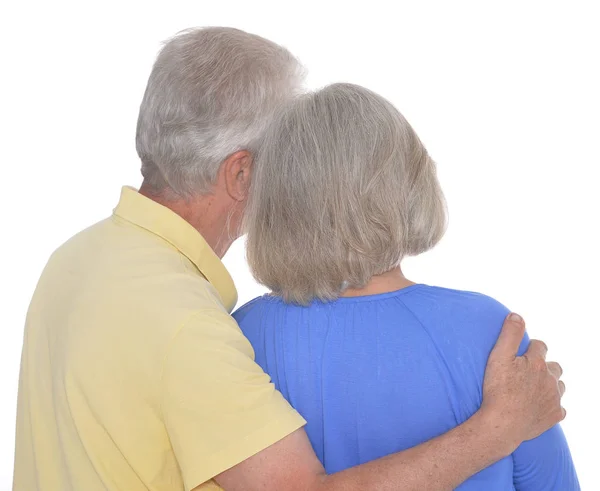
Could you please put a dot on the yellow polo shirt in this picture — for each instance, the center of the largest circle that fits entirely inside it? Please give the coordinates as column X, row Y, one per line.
column 134, row 376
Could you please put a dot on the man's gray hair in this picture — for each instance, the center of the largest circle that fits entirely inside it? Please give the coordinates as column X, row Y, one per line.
column 342, row 190
column 211, row 92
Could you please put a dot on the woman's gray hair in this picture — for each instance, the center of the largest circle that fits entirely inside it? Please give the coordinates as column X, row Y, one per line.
column 342, row 190
column 211, row 92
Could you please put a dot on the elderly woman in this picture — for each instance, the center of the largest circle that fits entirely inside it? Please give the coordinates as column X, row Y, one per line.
column 376, row 363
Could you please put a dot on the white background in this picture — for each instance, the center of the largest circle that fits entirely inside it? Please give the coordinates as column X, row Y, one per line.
column 504, row 94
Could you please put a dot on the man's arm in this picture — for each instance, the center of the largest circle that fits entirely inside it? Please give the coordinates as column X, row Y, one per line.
column 521, row 400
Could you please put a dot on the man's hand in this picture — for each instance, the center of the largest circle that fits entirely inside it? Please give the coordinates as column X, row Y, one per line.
column 521, row 394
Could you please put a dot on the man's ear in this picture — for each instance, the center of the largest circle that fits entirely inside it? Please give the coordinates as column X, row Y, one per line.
column 238, row 169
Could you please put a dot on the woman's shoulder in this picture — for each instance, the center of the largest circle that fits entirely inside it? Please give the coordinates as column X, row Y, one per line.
column 421, row 296
column 461, row 313
column 258, row 306
column 252, row 306
column 451, row 299
column 438, row 309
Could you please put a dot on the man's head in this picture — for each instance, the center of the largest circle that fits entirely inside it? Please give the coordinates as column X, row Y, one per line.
column 209, row 98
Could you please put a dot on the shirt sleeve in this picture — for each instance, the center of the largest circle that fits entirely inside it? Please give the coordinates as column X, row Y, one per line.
column 218, row 406
column 544, row 463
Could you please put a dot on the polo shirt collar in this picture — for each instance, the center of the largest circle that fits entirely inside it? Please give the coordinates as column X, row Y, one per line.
column 159, row 220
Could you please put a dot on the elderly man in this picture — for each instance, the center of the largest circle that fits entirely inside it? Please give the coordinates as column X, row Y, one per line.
column 135, row 377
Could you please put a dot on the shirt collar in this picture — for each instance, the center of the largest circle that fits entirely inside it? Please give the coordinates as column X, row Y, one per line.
column 159, row 220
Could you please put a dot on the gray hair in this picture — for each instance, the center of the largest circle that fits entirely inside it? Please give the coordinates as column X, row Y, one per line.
column 342, row 190
column 211, row 92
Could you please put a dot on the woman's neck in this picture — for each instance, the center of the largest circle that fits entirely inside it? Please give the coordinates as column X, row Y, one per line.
column 389, row 281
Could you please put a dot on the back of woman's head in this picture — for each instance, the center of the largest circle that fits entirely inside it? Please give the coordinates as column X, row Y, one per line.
column 343, row 189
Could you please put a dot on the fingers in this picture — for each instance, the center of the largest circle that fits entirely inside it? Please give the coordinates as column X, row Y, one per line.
column 510, row 337
column 555, row 369
column 537, row 349
column 561, row 388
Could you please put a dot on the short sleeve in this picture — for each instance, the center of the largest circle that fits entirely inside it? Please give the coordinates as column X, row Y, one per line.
column 218, row 406
column 545, row 464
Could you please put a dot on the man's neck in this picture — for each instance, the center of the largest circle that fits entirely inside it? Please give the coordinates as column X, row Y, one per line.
column 389, row 281
column 205, row 213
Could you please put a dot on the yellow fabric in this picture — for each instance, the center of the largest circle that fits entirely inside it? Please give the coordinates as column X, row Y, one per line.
column 134, row 376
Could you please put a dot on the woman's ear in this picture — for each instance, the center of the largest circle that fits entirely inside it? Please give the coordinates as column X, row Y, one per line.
column 238, row 170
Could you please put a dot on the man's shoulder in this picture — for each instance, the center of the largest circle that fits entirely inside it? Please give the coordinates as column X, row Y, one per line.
column 128, row 269
column 112, row 239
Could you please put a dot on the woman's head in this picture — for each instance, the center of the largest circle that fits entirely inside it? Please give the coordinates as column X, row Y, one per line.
column 343, row 189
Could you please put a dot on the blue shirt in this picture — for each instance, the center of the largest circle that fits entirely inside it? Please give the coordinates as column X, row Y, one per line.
column 378, row 374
